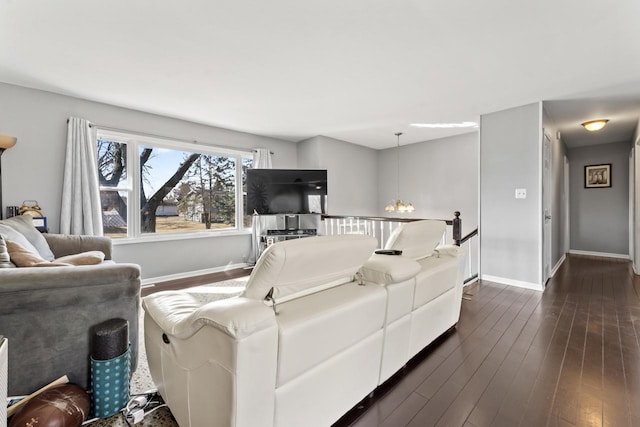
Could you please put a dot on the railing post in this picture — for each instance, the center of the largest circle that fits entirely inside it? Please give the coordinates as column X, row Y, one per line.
column 457, row 228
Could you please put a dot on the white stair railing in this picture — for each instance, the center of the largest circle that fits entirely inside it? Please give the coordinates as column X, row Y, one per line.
column 379, row 227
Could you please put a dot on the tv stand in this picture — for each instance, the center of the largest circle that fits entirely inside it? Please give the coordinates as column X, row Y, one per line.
column 269, row 229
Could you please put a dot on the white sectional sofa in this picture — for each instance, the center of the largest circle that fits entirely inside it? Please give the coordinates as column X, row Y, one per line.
column 319, row 326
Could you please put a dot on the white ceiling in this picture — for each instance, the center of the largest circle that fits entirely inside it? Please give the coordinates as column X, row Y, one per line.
column 357, row 70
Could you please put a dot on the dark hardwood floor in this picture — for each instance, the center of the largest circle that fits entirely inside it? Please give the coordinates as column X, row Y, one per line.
column 567, row 357
column 188, row 282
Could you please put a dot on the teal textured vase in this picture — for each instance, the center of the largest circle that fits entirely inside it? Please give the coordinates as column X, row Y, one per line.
column 110, row 384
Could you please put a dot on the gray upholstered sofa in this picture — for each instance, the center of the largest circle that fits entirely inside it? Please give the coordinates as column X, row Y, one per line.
column 47, row 312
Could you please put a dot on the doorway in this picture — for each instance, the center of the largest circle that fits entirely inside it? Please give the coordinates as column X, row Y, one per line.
column 546, row 208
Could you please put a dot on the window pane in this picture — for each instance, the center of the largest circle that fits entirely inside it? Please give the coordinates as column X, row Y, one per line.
column 186, row 191
column 112, row 163
column 114, row 213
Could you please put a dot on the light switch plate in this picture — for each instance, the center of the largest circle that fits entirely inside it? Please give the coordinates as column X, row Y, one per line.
column 521, row 193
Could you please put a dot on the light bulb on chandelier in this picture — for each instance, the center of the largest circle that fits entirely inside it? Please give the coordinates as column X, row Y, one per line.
column 398, row 205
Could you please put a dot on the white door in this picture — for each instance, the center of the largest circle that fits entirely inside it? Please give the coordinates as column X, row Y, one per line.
column 546, row 208
column 632, row 180
column 567, row 218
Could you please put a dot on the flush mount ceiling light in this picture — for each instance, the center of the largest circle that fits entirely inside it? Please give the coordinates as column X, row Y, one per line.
column 445, row 125
column 398, row 205
column 594, row 125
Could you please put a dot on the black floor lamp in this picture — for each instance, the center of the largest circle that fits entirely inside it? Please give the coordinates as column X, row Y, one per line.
column 6, row 142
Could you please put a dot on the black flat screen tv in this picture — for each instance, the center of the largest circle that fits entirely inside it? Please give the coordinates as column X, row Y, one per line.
column 286, row 191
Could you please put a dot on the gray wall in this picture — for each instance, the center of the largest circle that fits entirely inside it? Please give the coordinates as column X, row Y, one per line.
column 600, row 216
column 33, row 169
column 438, row 177
column 510, row 228
column 351, row 173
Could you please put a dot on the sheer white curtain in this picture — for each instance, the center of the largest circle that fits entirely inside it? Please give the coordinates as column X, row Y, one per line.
column 81, row 213
column 262, row 158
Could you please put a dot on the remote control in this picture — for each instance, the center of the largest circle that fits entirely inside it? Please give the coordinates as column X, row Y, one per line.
column 389, row 252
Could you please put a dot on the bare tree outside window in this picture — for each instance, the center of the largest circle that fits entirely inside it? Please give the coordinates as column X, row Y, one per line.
column 209, row 190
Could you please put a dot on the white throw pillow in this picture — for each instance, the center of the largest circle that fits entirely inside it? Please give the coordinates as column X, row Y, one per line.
column 23, row 224
column 10, row 233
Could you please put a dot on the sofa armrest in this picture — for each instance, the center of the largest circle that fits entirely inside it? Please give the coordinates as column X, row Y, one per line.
column 32, row 288
column 48, row 313
column 64, row 244
column 387, row 269
column 448, row 250
column 181, row 315
column 222, row 354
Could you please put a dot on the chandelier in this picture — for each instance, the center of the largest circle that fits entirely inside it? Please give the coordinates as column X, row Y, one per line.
column 398, row 205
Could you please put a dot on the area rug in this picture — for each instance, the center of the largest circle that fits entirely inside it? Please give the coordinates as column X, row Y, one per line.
column 141, row 382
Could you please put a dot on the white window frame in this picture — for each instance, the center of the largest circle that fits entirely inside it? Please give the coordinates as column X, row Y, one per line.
column 132, row 183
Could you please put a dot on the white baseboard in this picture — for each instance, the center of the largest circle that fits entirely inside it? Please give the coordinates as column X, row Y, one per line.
column 512, row 282
column 600, row 254
column 150, row 281
column 558, row 264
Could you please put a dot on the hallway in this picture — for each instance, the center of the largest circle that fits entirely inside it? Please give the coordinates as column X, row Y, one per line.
column 567, row 357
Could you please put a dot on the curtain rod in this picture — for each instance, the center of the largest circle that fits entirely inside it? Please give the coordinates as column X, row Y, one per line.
column 151, row 135
column 246, row 150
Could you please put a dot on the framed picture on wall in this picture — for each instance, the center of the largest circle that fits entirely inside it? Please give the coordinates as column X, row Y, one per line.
column 597, row 176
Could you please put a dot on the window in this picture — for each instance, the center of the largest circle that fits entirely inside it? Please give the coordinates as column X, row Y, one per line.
column 115, row 190
column 151, row 186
